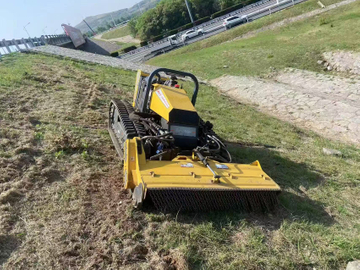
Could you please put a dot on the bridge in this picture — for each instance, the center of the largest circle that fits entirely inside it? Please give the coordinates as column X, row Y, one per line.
column 73, row 38
column 18, row 45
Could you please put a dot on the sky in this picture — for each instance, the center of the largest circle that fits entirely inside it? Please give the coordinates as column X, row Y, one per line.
column 46, row 16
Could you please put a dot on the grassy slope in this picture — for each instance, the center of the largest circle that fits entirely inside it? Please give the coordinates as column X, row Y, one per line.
column 297, row 240
column 75, row 182
column 297, row 45
column 117, row 33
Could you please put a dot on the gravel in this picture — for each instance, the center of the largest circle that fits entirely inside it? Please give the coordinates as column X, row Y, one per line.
column 326, row 104
column 343, row 61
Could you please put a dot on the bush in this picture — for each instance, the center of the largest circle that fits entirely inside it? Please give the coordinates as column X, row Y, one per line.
column 143, row 43
column 172, row 32
column 128, row 49
column 157, row 38
column 185, row 27
column 226, row 11
column 202, row 20
column 114, row 54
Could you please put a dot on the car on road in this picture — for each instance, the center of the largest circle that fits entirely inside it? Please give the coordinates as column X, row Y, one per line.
column 234, row 20
column 192, row 33
column 173, row 40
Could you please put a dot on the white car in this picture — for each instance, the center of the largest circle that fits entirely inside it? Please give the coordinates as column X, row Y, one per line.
column 192, row 33
column 234, row 20
column 173, row 40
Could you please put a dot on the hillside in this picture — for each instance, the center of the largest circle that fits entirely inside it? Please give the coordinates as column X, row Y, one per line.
column 251, row 49
column 102, row 19
column 62, row 205
column 117, row 33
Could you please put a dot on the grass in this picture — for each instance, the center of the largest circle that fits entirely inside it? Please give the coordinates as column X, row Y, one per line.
column 316, row 225
column 117, row 33
column 297, row 45
column 60, row 106
column 124, row 45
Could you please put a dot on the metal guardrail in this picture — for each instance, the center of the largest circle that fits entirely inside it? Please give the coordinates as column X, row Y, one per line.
column 18, row 45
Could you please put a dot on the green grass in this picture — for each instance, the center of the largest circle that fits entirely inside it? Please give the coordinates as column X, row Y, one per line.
column 297, row 45
column 124, row 45
column 316, row 225
column 117, row 33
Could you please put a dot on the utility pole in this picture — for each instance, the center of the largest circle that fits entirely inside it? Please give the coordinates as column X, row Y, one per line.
column 89, row 26
column 26, row 30
column 188, row 7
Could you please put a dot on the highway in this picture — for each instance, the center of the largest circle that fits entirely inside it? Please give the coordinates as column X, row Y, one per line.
column 211, row 28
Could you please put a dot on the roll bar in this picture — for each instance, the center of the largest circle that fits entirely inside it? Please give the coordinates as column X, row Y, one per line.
column 170, row 71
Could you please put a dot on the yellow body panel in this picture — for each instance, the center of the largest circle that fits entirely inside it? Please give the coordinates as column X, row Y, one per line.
column 184, row 172
column 165, row 98
column 132, row 164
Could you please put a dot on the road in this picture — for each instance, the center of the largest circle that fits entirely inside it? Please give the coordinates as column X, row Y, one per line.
column 211, row 28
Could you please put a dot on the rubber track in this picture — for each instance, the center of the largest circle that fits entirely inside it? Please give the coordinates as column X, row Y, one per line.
column 132, row 129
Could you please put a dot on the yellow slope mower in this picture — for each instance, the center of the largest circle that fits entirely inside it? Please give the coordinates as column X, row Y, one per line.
column 174, row 159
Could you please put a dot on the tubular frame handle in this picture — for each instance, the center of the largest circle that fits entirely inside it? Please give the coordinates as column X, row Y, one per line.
column 166, row 70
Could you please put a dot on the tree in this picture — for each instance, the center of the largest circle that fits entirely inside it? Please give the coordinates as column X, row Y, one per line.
column 172, row 14
column 203, row 8
column 100, row 29
column 226, row 3
column 132, row 26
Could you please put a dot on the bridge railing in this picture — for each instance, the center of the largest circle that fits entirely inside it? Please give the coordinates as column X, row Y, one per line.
column 18, row 45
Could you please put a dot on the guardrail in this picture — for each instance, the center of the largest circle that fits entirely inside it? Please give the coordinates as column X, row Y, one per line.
column 18, row 45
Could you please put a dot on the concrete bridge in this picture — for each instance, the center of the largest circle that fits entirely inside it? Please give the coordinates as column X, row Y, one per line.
column 18, row 45
column 72, row 39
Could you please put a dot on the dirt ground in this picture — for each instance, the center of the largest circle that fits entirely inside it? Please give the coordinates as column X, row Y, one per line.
column 62, row 205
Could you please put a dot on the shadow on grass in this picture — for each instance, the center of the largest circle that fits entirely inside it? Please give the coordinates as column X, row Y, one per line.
column 8, row 244
column 290, row 176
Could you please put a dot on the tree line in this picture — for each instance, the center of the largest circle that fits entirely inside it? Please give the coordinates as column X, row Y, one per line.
column 170, row 15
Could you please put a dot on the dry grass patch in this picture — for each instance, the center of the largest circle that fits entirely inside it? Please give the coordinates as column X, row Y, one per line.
column 63, row 205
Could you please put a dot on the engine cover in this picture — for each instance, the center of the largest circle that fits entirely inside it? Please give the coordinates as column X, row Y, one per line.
column 178, row 114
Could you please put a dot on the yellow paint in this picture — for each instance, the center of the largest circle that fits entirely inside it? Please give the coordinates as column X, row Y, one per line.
column 184, row 172
column 132, row 163
column 175, row 98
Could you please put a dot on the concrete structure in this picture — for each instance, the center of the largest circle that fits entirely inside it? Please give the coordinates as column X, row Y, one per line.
column 75, row 35
column 17, row 45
